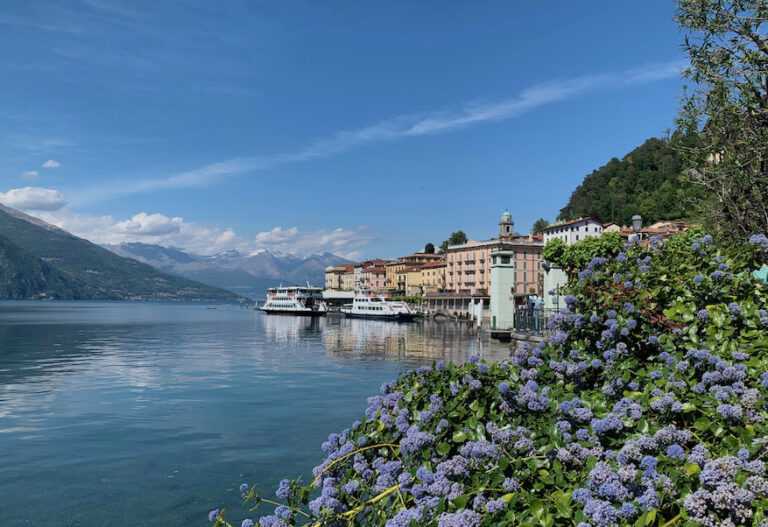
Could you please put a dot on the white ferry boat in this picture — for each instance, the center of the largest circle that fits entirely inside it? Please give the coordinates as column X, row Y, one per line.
column 295, row 301
column 377, row 307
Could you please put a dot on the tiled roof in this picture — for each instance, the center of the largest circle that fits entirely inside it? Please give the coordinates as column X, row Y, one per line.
column 571, row 222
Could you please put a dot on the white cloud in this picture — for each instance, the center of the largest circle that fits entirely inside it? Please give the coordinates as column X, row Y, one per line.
column 33, row 198
column 403, row 126
column 278, row 235
column 343, row 242
column 143, row 224
column 30, row 175
column 51, row 163
column 173, row 231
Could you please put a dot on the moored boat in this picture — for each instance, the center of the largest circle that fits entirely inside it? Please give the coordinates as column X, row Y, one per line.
column 377, row 307
column 295, row 300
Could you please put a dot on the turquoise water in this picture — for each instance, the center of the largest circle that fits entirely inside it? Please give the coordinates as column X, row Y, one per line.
column 115, row 414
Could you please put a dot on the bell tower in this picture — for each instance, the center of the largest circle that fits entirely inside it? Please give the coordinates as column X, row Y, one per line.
column 505, row 226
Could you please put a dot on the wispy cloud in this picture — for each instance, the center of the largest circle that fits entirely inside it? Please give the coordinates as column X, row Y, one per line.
column 401, row 127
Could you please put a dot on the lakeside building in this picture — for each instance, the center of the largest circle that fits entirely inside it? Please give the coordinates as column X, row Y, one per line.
column 370, row 275
column 468, row 266
column 375, row 277
column 468, row 282
column 413, row 280
column 422, row 258
column 392, row 277
column 348, row 279
column 433, row 277
column 569, row 232
column 572, row 231
column 340, row 277
column 397, row 272
column 665, row 229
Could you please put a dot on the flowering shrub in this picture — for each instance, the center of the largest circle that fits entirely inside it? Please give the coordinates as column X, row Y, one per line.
column 647, row 406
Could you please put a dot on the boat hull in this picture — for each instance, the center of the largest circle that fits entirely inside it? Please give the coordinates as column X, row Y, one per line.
column 395, row 317
column 296, row 312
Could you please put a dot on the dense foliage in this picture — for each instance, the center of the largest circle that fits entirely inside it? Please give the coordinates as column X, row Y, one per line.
column 647, row 406
column 539, row 226
column 648, row 181
column 456, row 238
column 727, row 48
column 574, row 257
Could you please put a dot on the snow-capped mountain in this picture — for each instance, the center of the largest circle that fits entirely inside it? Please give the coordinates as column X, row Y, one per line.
column 247, row 274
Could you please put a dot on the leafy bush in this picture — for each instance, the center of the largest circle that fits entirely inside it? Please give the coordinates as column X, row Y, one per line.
column 647, row 406
column 572, row 258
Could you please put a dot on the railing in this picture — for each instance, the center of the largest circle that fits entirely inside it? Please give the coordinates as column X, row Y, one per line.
column 533, row 321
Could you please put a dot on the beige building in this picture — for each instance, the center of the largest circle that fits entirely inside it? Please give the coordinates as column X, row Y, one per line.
column 468, row 266
column 391, row 280
column 422, row 258
column 396, row 275
column 348, row 279
column 334, row 277
column 413, row 280
column 433, row 277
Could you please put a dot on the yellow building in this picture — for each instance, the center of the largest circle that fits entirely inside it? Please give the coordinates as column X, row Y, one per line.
column 333, row 277
column 422, row 258
column 391, row 270
column 348, row 279
column 433, row 277
column 412, row 280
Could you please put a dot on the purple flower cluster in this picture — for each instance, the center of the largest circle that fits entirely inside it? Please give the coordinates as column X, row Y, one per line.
column 533, row 397
column 721, row 498
column 760, row 241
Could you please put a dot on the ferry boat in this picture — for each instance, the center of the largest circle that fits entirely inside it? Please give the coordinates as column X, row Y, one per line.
column 295, row 300
column 377, row 307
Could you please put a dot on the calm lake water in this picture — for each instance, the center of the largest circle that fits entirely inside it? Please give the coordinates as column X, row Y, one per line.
column 115, row 414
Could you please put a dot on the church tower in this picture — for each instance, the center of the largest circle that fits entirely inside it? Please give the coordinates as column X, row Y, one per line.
column 505, row 226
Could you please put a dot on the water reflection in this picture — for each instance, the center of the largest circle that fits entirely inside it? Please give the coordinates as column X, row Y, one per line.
column 422, row 341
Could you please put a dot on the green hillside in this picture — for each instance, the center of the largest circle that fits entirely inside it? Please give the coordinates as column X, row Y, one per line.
column 25, row 276
column 40, row 260
column 647, row 181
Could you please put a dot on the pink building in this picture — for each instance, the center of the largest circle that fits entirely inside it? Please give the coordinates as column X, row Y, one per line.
column 468, row 266
column 373, row 275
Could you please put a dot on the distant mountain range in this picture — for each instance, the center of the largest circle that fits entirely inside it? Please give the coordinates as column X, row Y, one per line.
column 245, row 274
column 40, row 261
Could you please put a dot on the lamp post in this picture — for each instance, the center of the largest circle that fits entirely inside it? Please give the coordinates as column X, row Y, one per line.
column 637, row 224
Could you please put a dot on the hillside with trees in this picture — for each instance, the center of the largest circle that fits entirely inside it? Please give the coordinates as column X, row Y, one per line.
column 38, row 260
column 649, row 181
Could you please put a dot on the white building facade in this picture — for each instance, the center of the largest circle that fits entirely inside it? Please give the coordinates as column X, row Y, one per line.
column 554, row 277
column 573, row 231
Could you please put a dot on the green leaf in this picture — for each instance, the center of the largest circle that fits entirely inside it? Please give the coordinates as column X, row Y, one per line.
column 459, row 436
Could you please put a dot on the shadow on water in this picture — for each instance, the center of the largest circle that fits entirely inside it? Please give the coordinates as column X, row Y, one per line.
column 149, row 414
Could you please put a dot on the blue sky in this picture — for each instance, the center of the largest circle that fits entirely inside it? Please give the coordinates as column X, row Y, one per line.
column 362, row 128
